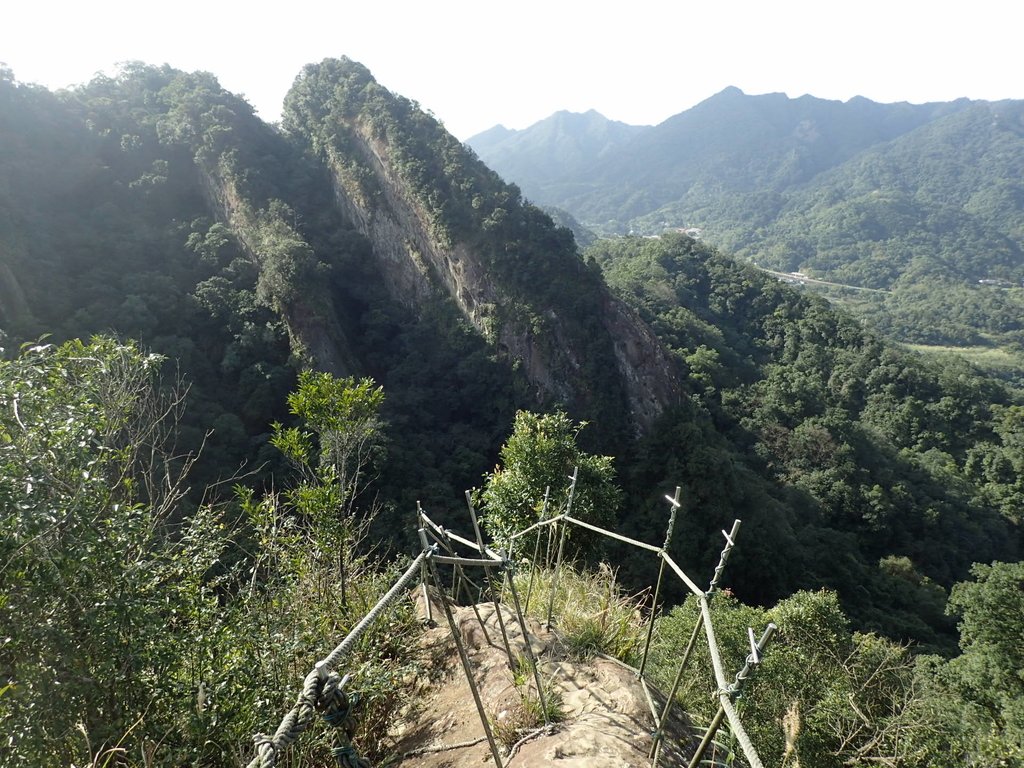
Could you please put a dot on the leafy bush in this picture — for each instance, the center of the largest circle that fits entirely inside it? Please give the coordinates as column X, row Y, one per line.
column 136, row 629
column 823, row 695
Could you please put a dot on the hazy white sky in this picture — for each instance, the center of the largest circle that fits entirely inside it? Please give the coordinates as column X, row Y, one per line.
column 476, row 64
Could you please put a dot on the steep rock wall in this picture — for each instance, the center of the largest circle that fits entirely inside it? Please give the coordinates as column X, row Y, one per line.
column 433, row 214
column 416, row 266
column 311, row 320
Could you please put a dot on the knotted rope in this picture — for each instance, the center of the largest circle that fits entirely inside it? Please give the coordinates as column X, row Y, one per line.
column 322, row 690
column 293, row 724
column 337, row 710
column 324, row 694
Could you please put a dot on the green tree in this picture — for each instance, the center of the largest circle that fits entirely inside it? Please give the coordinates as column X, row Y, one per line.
column 990, row 672
column 96, row 588
column 541, row 454
column 341, row 442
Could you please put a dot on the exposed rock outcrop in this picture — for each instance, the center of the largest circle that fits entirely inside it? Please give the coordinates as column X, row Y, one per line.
column 443, row 225
column 607, row 721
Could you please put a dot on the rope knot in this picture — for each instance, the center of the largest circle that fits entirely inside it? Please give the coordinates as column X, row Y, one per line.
column 266, row 750
column 347, row 757
column 337, row 707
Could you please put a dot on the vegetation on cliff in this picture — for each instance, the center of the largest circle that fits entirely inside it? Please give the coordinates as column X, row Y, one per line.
column 920, row 203
column 155, row 206
column 525, row 287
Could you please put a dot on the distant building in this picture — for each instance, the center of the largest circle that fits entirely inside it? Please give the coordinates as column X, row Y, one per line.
column 693, row 232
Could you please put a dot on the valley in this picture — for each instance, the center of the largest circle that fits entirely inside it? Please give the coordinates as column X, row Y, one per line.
column 238, row 357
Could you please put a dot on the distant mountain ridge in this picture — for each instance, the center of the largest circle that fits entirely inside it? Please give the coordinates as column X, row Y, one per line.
column 566, row 143
column 922, row 201
column 730, row 141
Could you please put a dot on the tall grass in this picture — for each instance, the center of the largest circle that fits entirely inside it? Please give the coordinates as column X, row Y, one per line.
column 591, row 613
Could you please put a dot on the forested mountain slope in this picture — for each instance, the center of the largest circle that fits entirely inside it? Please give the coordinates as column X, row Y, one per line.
column 731, row 144
column 158, row 207
column 921, row 203
column 442, row 223
column 827, row 438
column 363, row 239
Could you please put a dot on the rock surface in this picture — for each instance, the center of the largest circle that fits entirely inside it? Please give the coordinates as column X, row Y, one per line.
column 606, row 718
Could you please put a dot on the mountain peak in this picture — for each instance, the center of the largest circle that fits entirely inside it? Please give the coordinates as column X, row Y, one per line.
column 494, row 133
column 729, row 91
column 567, row 115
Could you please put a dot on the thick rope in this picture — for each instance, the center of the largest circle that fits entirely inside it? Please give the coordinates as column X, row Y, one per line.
column 346, row 645
column 740, row 733
column 544, row 730
column 293, row 724
column 321, row 683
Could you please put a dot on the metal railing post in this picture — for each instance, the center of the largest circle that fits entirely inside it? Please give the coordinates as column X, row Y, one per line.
column 561, row 547
column 674, row 501
column 463, row 656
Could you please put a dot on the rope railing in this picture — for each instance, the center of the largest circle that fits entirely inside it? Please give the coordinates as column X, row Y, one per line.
column 345, row 647
column 726, row 692
column 323, row 689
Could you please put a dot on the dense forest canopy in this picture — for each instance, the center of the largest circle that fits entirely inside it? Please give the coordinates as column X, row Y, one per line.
column 362, row 242
column 173, row 216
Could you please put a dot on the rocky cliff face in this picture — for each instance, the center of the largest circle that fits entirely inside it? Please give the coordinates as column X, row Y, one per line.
column 309, row 316
column 649, row 376
column 416, row 266
column 443, row 225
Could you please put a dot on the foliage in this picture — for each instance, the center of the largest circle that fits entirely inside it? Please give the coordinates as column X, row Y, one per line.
column 537, row 465
column 110, row 232
column 538, row 294
column 92, row 575
column 526, row 714
column 822, row 696
column 990, row 671
column 997, row 465
column 155, row 205
column 294, row 604
column 343, row 417
column 141, row 629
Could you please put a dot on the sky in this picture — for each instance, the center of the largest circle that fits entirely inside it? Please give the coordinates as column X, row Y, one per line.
column 482, row 63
